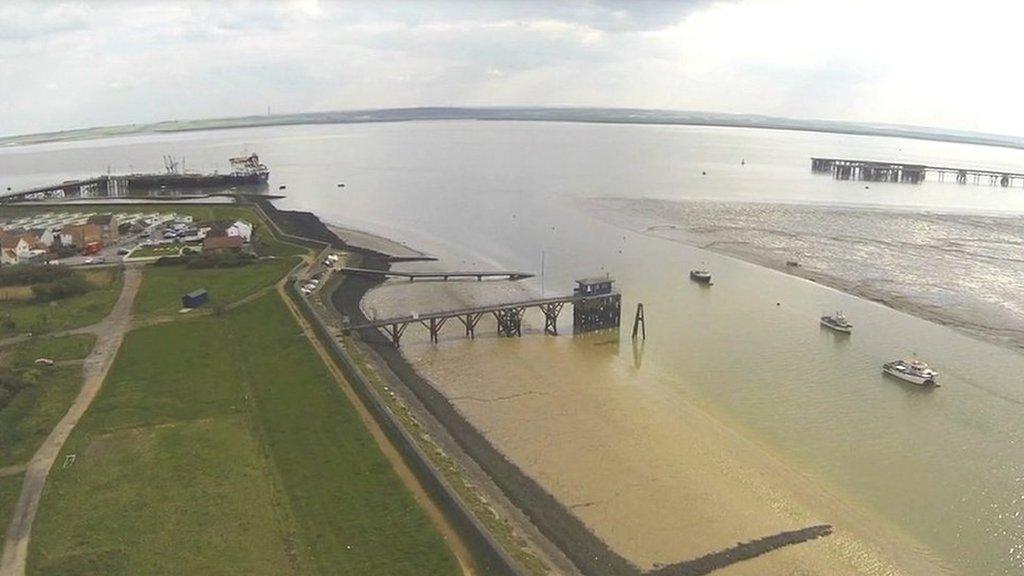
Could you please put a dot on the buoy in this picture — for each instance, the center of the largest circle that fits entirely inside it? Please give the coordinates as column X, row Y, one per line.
column 703, row 173
column 341, row 185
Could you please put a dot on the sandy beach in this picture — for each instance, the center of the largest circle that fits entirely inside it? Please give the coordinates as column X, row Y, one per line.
column 646, row 470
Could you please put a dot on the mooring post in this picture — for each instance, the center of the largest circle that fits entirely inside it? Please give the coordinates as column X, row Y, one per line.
column 639, row 323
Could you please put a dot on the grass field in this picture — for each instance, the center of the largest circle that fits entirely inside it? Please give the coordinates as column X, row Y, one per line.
column 55, row 348
column 221, row 445
column 163, row 286
column 10, row 488
column 156, row 251
column 28, row 418
column 74, row 312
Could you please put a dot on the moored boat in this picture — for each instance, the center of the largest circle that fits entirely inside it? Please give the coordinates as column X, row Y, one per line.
column 837, row 322
column 913, row 371
column 702, row 276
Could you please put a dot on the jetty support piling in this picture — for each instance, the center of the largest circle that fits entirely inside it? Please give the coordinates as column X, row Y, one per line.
column 551, row 312
column 639, row 323
column 510, row 321
column 469, row 321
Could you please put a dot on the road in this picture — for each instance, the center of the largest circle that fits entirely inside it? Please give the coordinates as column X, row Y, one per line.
column 109, row 334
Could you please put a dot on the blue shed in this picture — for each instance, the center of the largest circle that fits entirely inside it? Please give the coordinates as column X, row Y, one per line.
column 195, row 298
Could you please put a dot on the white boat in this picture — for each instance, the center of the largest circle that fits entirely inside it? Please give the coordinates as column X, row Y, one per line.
column 837, row 322
column 914, row 371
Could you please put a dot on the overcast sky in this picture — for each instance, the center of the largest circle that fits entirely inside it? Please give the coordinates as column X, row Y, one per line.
column 79, row 64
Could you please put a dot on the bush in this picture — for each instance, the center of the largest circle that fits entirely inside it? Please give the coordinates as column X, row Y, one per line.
column 10, row 385
column 220, row 260
column 26, row 274
column 64, row 288
column 169, row 261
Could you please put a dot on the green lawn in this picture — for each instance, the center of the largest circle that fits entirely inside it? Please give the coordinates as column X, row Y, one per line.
column 74, row 312
column 55, row 348
column 163, row 286
column 156, row 251
column 10, row 488
column 221, row 445
column 30, row 416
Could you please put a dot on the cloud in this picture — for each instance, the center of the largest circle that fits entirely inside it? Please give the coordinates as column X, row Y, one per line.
column 74, row 64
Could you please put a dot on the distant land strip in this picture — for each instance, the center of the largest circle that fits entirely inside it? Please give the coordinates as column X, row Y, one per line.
column 531, row 114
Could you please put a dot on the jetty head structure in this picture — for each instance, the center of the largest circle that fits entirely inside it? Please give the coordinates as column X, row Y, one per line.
column 596, row 306
column 873, row 171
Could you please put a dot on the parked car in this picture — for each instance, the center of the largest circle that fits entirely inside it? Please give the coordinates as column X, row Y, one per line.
column 43, row 362
column 123, row 251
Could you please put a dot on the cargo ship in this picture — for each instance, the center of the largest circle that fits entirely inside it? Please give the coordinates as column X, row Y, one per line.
column 246, row 171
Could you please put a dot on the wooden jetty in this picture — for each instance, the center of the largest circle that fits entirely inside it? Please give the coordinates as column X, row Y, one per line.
column 596, row 306
column 873, row 171
column 443, row 276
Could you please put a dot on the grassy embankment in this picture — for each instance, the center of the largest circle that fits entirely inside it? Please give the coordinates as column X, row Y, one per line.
column 82, row 310
column 221, row 445
column 27, row 417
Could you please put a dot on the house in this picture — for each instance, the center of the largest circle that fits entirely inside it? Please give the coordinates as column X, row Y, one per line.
column 107, row 224
column 46, row 236
column 18, row 247
column 80, row 234
column 239, row 228
column 593, row 286
column 214, row 244
column 7, row 257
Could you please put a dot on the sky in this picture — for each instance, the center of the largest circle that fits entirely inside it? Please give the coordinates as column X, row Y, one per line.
column 70, row 65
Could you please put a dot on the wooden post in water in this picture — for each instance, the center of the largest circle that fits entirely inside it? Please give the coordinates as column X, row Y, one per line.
column 638, row 322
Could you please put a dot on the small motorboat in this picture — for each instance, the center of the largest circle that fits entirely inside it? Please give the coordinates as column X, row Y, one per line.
column 702, row 276
column 837, row 322
column 913, row 371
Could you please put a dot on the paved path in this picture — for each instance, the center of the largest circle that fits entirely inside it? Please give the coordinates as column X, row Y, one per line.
column 109, row 334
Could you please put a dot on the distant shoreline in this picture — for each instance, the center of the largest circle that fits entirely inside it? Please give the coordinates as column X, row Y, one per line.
column 628, row 116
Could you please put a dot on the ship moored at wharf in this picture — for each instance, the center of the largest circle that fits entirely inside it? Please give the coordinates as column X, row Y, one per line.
column 246, row 171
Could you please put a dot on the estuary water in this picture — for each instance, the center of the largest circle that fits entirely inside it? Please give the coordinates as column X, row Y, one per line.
column 943, row 467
